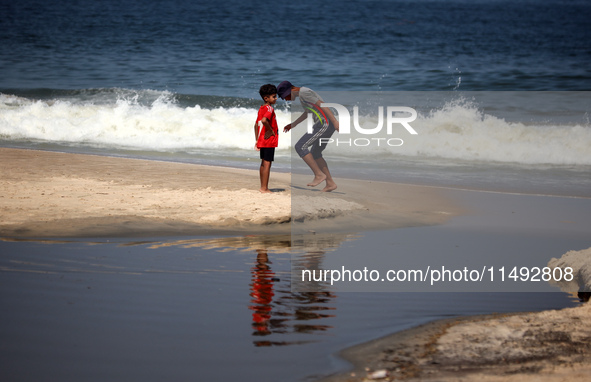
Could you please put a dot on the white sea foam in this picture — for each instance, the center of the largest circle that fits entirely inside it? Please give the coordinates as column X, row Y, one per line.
column 462, row 131
column 162, row 125
column 156, row 122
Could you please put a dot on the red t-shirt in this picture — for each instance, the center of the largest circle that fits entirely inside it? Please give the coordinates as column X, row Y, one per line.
column 268, row 112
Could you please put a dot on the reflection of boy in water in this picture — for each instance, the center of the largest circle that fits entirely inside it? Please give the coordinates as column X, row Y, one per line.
column 261, row 293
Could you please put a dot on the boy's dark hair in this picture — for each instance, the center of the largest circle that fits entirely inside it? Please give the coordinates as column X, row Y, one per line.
column 267, row 90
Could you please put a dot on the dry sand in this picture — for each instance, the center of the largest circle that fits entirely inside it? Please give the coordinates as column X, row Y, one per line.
column 547, row 346
column 49, row 194
column 580, row 262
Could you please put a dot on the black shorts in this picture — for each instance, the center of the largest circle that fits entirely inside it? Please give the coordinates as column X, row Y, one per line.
column 268, row 153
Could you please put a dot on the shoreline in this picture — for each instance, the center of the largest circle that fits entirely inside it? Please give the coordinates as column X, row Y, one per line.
column 544, row 346
column 53, row 194
column 58, row 195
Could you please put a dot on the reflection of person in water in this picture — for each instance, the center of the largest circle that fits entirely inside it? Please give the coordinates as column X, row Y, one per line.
column 279, row 311
column 262, row 294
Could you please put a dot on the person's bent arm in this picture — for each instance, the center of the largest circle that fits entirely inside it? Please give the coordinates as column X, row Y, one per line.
column 256, row 136
column 268, row 129
column 300, row 119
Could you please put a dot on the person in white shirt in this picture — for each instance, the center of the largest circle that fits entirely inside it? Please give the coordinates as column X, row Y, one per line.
column 309, row 147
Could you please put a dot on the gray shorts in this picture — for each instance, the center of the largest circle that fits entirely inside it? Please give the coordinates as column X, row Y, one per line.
column 310, row 142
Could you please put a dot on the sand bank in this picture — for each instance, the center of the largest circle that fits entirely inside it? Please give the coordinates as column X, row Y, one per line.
column 546, row 346
column 49, row 194
column 580, row 262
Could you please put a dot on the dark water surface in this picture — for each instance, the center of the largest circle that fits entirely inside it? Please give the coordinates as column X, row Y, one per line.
column 201, row 309
column 231, row 48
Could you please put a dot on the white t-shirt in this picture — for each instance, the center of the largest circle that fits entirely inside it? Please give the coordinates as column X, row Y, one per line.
column 308, row 95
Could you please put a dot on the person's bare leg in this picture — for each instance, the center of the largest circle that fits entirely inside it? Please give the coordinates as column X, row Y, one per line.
column 330, row 184
column 265, row 171
column 319, row 175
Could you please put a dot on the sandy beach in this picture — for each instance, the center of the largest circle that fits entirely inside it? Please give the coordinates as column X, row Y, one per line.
column 544, row 346
column 60, row 195
column 49, row 194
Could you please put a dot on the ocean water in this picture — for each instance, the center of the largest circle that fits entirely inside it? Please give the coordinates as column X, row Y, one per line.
column 231, row 48
column 178, row 80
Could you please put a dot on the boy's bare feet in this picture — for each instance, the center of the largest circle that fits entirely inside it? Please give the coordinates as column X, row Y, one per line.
column 330, row 186
column 265, row 191
column 317, row 180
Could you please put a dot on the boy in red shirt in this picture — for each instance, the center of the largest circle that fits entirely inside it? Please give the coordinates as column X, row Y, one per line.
column 266, row 133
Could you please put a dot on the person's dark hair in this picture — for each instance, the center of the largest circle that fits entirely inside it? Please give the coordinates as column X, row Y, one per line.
column 267, row 90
